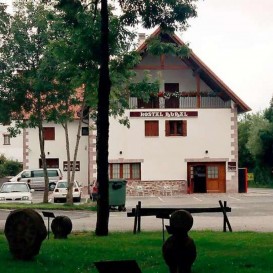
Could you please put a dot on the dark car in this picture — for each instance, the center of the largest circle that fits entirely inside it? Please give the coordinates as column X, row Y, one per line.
column 94, row 191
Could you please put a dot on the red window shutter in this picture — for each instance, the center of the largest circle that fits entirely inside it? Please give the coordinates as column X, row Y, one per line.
column 184, row 128
column 155, row 128
column 151, row 128
column 49, row 133
column 147, row 128
column 167, row 128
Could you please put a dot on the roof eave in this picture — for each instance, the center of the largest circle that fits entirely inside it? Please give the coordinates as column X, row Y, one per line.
column 242, row 106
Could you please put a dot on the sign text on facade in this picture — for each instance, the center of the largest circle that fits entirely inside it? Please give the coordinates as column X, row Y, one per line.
column 167, row 114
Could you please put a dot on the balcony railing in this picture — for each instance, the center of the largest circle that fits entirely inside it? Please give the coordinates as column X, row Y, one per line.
column 188, row 102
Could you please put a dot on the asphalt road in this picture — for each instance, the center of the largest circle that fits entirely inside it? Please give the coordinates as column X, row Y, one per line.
column 252, row 211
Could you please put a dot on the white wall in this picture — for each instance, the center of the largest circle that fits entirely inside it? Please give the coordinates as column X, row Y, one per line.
column 57, row 149
column 164, row 157
column 13, row 151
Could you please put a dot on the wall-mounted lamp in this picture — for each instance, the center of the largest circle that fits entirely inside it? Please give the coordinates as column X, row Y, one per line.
column 120, row 152
column 48, row 153
column 206, row 151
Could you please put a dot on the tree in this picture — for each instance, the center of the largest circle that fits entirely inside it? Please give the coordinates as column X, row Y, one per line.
column 245, row 157
column 167, row 14
column 26, row 92
column 259, row 147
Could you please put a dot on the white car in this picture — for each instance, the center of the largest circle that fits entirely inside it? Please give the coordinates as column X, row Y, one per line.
column 16, row 192
column 60, row 191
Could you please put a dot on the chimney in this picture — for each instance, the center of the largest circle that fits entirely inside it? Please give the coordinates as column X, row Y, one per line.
column 141, row 38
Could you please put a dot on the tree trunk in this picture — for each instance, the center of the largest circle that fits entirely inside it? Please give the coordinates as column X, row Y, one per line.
column 103, row 127
column 71, row 175
column 69, row 196
column 78, row 138
column 43, row 158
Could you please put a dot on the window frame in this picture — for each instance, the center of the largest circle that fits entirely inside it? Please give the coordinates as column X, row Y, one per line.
column 85, row 131
column 6, row 139
column 176, row 130
column 121, row 174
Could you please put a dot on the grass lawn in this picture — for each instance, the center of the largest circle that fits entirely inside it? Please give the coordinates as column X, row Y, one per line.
column 238, row 252
column 49, row 206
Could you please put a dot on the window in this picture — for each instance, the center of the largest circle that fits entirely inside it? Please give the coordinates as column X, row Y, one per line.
column 116, row 171
column 49, row 133
column 212, row 172
column 176, row 128
column 6, row 139
column 124, row 170
column 85, row 131
column 172, row 101
column 151, row 128
column 50, row 163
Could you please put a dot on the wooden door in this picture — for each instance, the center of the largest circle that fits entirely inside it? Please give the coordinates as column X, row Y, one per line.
column 216, row 177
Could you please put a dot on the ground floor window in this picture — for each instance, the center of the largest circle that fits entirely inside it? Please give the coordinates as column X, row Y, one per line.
column 50, row 163
column 124, row 170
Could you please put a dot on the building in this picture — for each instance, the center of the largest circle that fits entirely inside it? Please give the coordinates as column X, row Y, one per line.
column 11, row 147
column 182, row 141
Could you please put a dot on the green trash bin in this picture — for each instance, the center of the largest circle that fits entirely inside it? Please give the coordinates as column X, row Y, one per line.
column 117, row 194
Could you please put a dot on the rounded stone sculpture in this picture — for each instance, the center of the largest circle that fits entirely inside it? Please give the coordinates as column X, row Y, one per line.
column 25, row 231
column 61, row 226
column 179, row 250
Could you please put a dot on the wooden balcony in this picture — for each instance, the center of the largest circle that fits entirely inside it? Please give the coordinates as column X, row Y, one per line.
column 182, row 102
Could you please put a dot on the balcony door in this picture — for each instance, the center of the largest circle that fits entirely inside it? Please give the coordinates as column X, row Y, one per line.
column 172, row 101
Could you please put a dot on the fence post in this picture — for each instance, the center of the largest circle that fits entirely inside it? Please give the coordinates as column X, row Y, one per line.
column 226, row 221
column 135, row 220
column 139, row 216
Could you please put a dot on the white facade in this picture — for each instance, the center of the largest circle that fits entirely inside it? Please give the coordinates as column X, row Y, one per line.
column 56, row 150
column 164, row 158
column 11, row 147
column 205, row 152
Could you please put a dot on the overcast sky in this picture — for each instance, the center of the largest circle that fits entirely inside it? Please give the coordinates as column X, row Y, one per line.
column 234, row 38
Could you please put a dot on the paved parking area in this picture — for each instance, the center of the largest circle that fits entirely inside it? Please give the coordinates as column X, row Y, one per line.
column 251, row 211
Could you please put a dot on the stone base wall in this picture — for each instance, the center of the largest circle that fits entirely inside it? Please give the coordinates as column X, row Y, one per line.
column 156, row 188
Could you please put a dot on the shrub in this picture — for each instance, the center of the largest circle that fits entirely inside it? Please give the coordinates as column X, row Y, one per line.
column 9, row 167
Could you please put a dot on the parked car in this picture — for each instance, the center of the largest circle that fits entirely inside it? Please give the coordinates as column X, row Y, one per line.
column 35, row 178
column 16, row 192
column 60, row 191
column 94, row 191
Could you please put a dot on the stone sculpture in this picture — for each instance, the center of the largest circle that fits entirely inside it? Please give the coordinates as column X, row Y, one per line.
column 61, row 226
column 179, row 250
column 25, row 230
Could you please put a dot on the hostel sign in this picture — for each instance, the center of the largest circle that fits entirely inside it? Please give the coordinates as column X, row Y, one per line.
column 166, row 114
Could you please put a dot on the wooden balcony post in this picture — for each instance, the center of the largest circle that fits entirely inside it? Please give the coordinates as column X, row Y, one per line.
column 198, row 101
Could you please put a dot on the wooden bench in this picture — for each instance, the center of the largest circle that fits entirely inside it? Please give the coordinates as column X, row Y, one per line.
column 164, row 213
